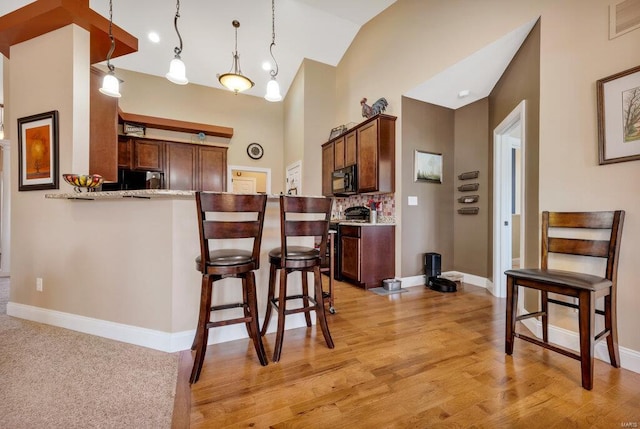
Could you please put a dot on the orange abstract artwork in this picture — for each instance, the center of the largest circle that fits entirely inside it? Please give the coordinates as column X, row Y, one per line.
column 38, row 152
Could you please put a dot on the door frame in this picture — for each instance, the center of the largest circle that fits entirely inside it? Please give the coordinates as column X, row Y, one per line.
column 5, row 207
column 267, row 171
column 502, row 189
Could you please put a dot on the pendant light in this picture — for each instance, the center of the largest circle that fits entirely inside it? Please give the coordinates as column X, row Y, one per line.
column 235, row 80
column 110, row 83
column 177, row 70
column 273, row 89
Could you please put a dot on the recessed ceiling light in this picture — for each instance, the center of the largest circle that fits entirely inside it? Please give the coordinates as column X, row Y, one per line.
column 154, row 37
column 463, row 93
column 266, row 66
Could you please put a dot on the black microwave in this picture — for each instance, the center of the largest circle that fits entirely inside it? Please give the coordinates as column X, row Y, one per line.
column 344, row 181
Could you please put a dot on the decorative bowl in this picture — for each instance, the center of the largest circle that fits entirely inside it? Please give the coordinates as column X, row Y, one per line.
column 83, row 181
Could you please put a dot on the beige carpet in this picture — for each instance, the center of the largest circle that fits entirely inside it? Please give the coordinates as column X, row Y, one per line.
column 56, row 378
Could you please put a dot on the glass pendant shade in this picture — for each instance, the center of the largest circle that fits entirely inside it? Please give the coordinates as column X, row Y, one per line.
column 177, row 72
column 235, row 82
column 273, row 91
column 110, row 86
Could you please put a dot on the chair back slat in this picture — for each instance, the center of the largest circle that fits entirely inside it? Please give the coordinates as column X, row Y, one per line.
column 317, row 225
column 213, row 202
column 593, row 220
column 230, row 230
column 572, row 246
column 610, row 220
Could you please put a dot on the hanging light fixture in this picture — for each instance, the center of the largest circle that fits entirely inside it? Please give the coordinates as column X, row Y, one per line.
column 273, row 89
column 177, row 71
column 235, row 80
column 110, row 83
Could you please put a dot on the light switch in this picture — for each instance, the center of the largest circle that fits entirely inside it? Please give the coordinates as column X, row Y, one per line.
column 413, row 201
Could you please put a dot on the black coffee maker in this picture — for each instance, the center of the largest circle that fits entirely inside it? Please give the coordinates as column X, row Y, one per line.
column 432, row 271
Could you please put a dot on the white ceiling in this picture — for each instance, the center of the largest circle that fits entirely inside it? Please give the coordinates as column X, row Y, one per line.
column 320, row 30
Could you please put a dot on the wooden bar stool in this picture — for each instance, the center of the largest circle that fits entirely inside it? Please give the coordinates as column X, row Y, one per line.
column 289, row 258
column 214, row 214
column 586, row 288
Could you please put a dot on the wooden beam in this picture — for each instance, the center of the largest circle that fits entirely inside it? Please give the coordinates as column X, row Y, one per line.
column 44, row 16
column 175, row 125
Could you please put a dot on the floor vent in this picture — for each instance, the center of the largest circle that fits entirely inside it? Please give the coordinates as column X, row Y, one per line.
column 624, row 16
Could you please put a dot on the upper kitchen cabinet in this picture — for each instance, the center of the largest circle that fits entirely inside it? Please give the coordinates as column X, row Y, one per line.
column 376, row 146
column 103, row 130
column 212, row 168
column 148, row 155
column 371, row 146
column 327, row 167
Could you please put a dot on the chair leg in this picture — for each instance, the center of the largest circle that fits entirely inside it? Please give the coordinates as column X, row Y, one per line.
column 253, row 325
column 196, row 338
column 322, row 319
column 586, row 321
column 204, row 318
column 544, row 306
column 270, row 295
column 305, row 296
column 610, row 323
column 245, row 300
column 512, row 306
column 282, row 307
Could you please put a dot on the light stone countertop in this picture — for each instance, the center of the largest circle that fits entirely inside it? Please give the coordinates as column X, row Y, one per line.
column 140, row 193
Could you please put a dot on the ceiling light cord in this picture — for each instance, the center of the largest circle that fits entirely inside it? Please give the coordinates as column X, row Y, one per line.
column 177, row 50
column 113, row 42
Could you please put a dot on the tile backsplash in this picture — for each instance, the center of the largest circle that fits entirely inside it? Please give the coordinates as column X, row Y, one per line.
column 386, row 205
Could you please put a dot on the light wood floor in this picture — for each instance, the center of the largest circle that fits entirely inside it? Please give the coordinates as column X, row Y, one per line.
column 419, row 359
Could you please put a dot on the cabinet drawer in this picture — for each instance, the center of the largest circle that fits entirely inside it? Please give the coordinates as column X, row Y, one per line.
column 350, row 231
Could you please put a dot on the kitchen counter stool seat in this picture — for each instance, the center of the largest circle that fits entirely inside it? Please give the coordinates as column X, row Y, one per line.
column 221, row 217
column 299, row 258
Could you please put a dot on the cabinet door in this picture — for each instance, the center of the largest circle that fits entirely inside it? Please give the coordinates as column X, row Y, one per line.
column 378, row 260
column 180, row 166
column 103, row 130
column 350, row 147
column 327, row 168
column 125, row 152
column 338, row 153
column 350, row 257
column 367, row 137
column 147, row 155
column 212, row 168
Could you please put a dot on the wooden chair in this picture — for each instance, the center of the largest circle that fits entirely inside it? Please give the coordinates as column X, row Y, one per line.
column 289, row 258
column 214, row 213
column 585, row 287
column 328, row 266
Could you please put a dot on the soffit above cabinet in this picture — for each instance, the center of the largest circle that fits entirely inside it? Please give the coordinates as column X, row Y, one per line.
column 175, row 125
column 44, row 16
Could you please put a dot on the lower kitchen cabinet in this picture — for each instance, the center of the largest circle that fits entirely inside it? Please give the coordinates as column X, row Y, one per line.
column 367, row 254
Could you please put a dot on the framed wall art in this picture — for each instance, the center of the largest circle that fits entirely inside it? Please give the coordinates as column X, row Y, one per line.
column 428, row 167
column 618, row 98
column 38, row 148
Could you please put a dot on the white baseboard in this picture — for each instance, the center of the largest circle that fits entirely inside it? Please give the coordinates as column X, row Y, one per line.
column 154, row 339
column 629, row 359
column 413, row 281
column 466, row 278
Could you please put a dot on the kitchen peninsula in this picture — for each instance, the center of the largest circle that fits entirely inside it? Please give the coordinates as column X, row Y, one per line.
column 134, row 254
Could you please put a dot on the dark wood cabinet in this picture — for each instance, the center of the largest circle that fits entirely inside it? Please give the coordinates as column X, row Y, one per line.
column 103, row 130
column 371, row 146
column 148, row 155
column 212, row 168
column 367, row 254
column 327, row 168
column 376, row 155
column 179, row 171
column 338, row 153
column 125, row 152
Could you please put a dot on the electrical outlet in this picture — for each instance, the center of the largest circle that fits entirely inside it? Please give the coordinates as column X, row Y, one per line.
column 39, row 284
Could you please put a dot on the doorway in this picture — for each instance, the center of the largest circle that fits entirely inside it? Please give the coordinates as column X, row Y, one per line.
column 508, row 197
column 242, row 179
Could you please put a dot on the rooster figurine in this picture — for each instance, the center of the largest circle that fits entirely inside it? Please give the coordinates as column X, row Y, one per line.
column 378, row 107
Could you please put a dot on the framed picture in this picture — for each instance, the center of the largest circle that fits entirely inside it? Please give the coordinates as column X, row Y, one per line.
column 428, row 167
column 38, row 152
column 335, row 132
column 618, row 98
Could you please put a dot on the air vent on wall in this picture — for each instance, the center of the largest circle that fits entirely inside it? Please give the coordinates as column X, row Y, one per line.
column 624, row 16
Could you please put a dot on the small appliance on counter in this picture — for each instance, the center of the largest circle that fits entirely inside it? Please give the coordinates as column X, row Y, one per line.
column 357, row 214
